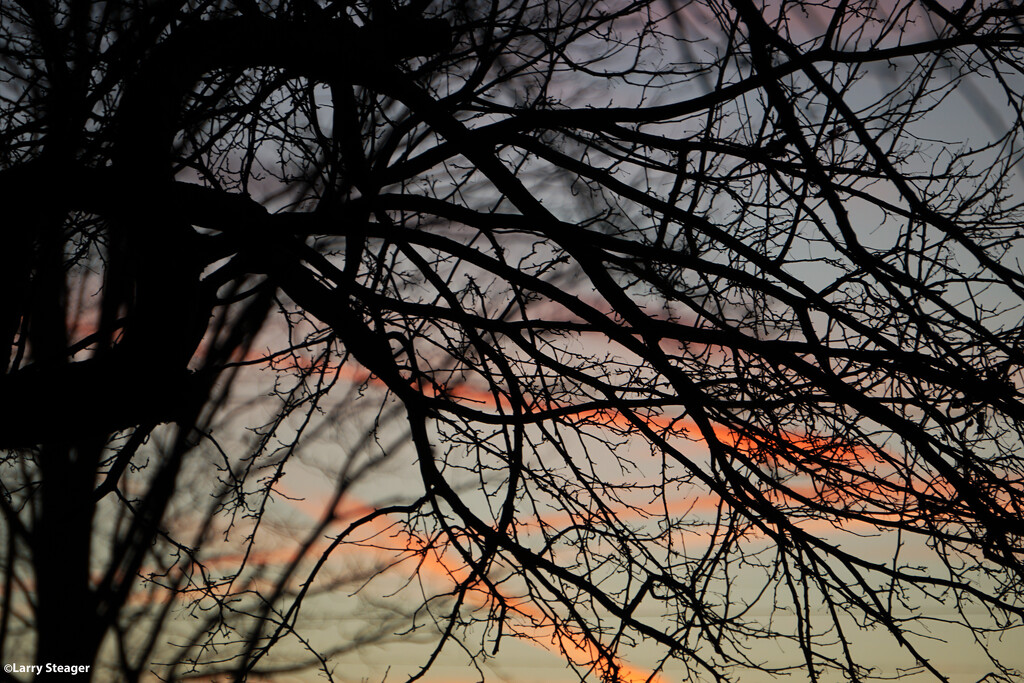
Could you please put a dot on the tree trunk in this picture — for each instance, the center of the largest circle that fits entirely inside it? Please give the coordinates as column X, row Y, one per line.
column 67, row 624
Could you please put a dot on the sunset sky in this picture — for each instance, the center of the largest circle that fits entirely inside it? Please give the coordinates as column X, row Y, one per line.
column 531, row 341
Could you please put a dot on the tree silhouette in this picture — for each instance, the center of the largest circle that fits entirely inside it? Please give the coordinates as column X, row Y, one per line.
column 670, row 304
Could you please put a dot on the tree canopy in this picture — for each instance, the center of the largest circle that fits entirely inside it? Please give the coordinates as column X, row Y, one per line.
column 699, row 323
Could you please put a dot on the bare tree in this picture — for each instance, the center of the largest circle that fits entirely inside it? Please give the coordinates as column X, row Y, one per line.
column 671, row 304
